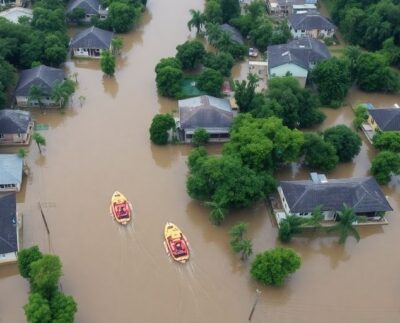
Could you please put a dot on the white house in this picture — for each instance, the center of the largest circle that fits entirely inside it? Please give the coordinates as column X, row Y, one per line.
column 310, row 24
column 11, row 168
column 90, row 42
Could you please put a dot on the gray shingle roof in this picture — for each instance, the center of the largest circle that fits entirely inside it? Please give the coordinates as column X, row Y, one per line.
column 92, row 37
column 14, row 121
column 388, row 119
column 205, row 112
column 91, row 7
column 42, row 76
column 298, row 2
column 8, row 223
column 303, row 52
column 10, row 169
column 362, row 194
column 310, row 21
column 233, row 33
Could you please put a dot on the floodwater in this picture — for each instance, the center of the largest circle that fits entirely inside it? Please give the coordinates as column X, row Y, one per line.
column 122, row 274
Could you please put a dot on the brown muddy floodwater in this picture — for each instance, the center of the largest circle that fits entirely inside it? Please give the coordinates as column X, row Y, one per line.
column 123, row 275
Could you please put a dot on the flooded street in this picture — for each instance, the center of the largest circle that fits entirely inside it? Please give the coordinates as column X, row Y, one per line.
column 122, row 274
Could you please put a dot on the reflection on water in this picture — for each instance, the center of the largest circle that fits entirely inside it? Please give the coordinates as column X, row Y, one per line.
column 104, row 145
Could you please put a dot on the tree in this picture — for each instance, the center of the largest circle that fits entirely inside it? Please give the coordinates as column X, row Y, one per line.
column 40, row 140
column 159, row 128
column 190, row 54
column 245, row 91
column 210, row 81
column 62, row 91
column 25, row 258
column 319, row 154
column 117, row 43
column 221, row 62
column 63, row 308
column 213, row 12
column 45, row 274
column 218, row 211
column 290, row 226
column 200, row 137
column 196, row 21
column 238, row 231
column 261, row 35
column 296, row 106
column 315, row 219
column 346, row 142
column 361, row 115
column 345, row 226
column 230, row 9
column 55, row 52
column 122, row 16
column 37, row 310
column 384, row 165
column 168, row 81
column 281, row 33
column 273, row 266
column 168, row 61
column 388, row 140
column 36, row 95
column 107, row 63
column 77, row 15
column 333, row 80
column 238, row 244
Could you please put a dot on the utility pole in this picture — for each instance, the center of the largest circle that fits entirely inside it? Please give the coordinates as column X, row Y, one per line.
column 258, row 293
column 44, row 219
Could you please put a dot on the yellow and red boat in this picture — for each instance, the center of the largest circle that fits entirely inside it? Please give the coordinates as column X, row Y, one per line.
column 120, row 208
column 176, row 243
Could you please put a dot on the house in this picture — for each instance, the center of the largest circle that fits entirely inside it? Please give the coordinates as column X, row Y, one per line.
column 297, row 58
column 90, row 7
column 310, row 24
column 11, row 167
column 15, row 127
column 363, row 195
column 41, row 76
column 213, row 114
column 10, row 225
column 284, row 8
column 384, row 119
column 13, row 14
column 91, row 42
column 233, row 33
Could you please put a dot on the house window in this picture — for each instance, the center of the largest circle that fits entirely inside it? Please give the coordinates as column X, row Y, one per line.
column 303, row 31
column 1, row 136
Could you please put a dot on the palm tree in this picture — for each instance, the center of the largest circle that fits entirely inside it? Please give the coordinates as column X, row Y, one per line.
column 58, row 93
column 36, row 94
column 244, row 246
column 237, row 231
column 345, row 227
column 217, row 214
column 290, row 226
column 40, row 140
column 196, row 21
column 117, row 43
column 315, row 219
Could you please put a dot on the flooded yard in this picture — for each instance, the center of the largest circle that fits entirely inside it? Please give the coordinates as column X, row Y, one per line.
column 122, row 274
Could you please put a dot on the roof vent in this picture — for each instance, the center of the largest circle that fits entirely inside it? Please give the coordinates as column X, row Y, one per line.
column 302, row 46
column 285, row 53
column 396, row 106
column 318, row 178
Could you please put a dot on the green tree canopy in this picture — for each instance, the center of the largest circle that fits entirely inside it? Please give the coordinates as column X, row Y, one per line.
column 107, row 63
column 168, row 81
column 27, row 256
column 159, row 128
column 37, row 310
column 40, row 140
column 190, row 54
column 361, row 115
column 221, row 62
column 290, row 226
column 122, row 15
column 210, row 81
column 196, row 21
column 273, row 266
column 200, row 137
column 117, row 43
column 384, row 165
column 213, row 12
column 388, row 140
column 77, row 15
column 318, row 154
column 333, row 79
column 230, row 9
column 62, row 91
column 63, row 308
column 345, row 226
column 261, row 34
column 45, row 274
column 168, row 61
column 245, row 92
column 346, row 142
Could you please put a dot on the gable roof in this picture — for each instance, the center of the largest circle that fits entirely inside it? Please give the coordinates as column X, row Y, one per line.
column 91, row 7
column 388, row 119
column 310, row 20
column 92, row 38
column 8, row 223
column 14, row 121
column 42, row 76
column 233, row 33
column 205, row 112
column 10, row 169
column 303, row 52
column 361, row 194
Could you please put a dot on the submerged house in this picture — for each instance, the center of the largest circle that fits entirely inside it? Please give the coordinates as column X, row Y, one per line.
column 296, row 58
column 43, row 77
column 11, row 168
column 212, row 114
column 284, row 8
column 16, row 127
column 91, row 8
column 310, row 24
column 233, row 33
column 9, row 228
column 91, row 42
column 363, row 195
column 384, row 119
